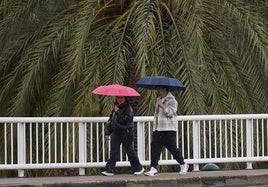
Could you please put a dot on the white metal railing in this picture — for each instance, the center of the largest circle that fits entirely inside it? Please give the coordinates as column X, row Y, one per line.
column 78, row 142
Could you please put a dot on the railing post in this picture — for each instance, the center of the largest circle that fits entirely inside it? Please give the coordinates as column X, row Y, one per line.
column 21, row 147
column 249, row 132
column 196, row 143
column 82, row 146
column 140, row 141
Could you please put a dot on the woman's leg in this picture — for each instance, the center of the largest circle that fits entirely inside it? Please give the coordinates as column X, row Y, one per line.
column 127, row 142
column 156, row 148
column 170, row 143
column 115, row 145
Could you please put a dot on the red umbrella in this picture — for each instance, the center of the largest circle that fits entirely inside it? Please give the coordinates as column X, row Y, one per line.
column 115, row 90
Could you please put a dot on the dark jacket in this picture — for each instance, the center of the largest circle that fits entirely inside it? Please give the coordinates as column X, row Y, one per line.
column 120, row 120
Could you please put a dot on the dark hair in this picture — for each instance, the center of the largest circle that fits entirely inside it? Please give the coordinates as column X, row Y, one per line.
column 126, row 99
column 164, row 87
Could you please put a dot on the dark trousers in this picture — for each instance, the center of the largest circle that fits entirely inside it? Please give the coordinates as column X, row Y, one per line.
column 124, row 137
column 168, row 140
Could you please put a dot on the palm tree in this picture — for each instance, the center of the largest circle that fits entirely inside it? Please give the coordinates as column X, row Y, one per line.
column 53, row 53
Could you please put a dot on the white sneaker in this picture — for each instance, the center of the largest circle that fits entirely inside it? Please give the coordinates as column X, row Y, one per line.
column 152, row 172
column 184, row 169
column 107, row 173
column 139, row 172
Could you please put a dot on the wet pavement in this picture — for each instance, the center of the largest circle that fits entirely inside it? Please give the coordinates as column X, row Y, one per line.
column 248, row 178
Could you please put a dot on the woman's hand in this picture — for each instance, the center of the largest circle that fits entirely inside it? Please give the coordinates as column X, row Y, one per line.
column 107, row 137
column 160, row 103
column 116, row 108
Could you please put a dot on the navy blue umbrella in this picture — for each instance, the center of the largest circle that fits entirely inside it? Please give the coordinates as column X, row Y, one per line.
column 151, row 82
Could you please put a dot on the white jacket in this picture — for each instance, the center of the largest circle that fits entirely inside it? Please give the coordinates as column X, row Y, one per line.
column 166, row 120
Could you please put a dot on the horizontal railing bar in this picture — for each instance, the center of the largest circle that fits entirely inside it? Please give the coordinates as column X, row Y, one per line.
column 126, row 163
column 136, row 118
column 216, row 160
column 59, row 165
column 52, row 119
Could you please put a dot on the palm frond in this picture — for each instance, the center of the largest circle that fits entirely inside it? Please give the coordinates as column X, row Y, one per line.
column 64, row 93
column 16, row 12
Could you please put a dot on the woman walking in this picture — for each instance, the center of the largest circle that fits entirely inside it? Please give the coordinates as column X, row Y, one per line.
column 120, row 128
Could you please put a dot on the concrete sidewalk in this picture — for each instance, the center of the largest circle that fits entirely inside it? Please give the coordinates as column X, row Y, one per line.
column 234, row 178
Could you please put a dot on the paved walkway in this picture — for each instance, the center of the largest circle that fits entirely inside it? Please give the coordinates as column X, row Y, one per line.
column 248, row 178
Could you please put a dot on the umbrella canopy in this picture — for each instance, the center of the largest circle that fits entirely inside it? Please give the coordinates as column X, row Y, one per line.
column 151, row 82
column 115, row 90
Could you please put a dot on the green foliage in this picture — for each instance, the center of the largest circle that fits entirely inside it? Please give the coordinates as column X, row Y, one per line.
column 54, row 53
